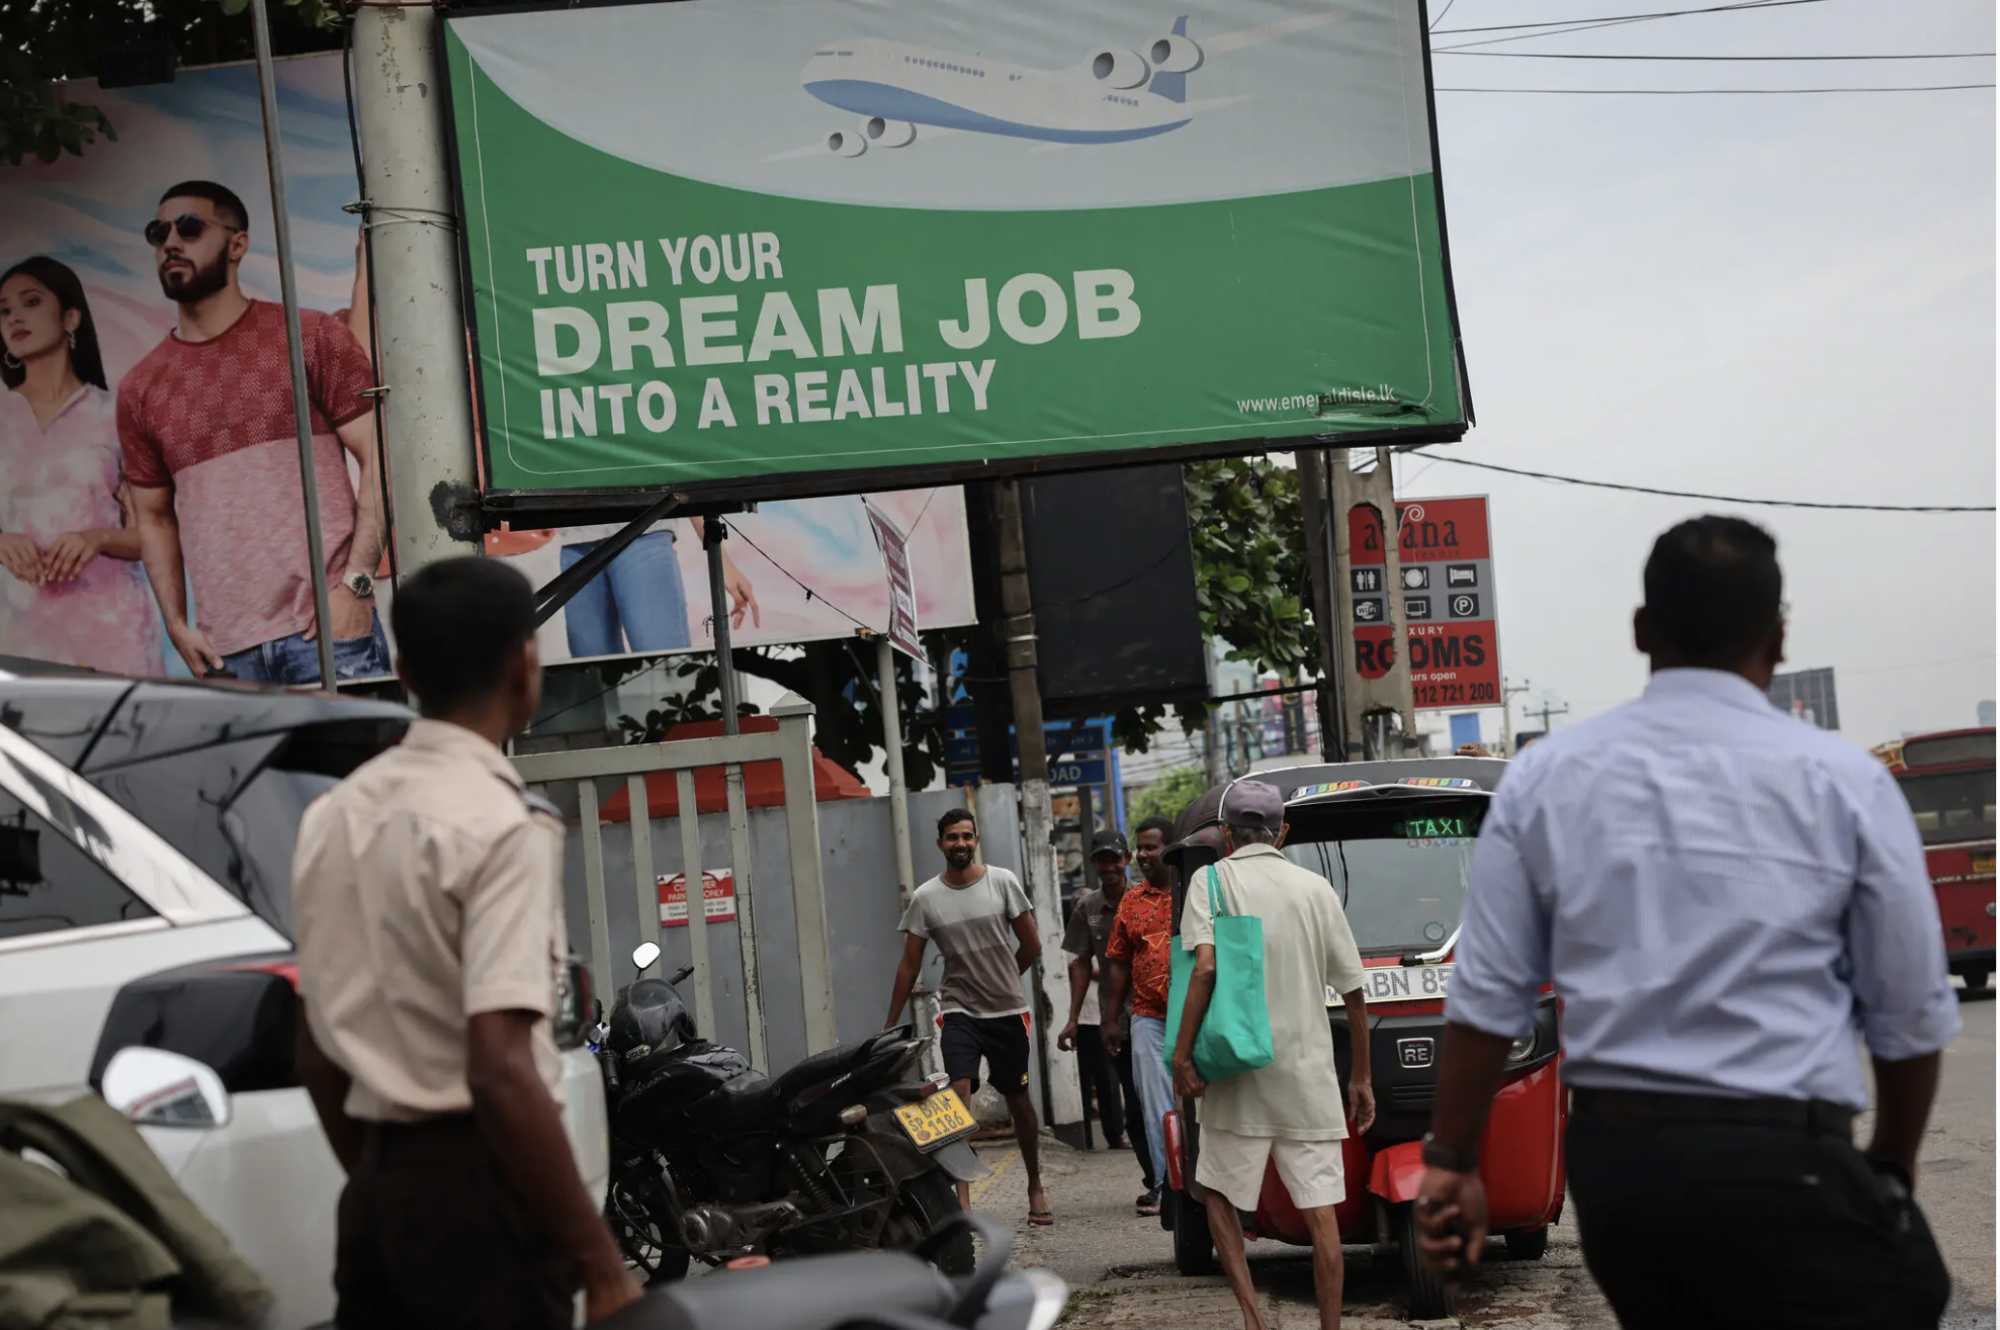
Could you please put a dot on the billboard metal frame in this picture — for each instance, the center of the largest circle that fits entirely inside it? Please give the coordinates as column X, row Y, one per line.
column 525, row 508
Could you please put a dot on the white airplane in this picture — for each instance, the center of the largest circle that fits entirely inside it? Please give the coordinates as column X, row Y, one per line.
column 1115, row 95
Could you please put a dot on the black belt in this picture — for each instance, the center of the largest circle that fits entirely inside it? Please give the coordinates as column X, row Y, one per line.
column 1815, row 1116
column 380, row 1140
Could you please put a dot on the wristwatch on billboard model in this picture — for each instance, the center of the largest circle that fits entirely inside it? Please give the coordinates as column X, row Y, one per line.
column 1439, row 1155
column 361, row 584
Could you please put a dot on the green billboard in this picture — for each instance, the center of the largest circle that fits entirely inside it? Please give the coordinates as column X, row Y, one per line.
column 826, row 245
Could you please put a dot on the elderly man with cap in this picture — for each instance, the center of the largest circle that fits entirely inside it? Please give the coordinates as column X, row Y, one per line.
column 1288, row 1113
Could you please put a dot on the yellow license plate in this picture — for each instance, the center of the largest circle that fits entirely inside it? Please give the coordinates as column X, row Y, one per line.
column 935, row 1120
column 1982, row 863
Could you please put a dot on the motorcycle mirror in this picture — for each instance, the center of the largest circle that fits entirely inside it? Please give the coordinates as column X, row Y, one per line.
column 645, row 955
column 156, row 1088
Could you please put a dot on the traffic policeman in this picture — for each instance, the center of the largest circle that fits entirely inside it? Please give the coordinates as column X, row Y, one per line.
column 428, row 894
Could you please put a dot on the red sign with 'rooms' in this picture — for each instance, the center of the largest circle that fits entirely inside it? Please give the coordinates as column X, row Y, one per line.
column 1446, row 552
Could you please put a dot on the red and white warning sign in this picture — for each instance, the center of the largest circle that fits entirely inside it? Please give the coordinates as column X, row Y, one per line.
column 1446, row 552
column 718, row 899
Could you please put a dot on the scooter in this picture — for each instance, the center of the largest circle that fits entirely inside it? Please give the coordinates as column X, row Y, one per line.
column 851, row 1149
column 862, row 1291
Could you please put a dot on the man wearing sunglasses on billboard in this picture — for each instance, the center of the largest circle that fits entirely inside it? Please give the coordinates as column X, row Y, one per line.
column 211, row 452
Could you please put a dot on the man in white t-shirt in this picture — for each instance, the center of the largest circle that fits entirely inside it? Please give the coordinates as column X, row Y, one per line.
column 1289, row 1112
column 981, row 921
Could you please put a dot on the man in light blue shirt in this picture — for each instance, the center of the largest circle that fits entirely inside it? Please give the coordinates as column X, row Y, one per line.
column 1729, row 903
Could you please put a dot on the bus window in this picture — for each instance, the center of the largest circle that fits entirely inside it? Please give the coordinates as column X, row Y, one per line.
column 1951, row 806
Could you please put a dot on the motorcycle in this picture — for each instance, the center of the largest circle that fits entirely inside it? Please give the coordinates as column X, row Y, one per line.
column 862, row 1291
column 852, row 1149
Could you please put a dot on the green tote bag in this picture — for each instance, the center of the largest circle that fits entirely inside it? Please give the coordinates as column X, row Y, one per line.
column 1235, row 1034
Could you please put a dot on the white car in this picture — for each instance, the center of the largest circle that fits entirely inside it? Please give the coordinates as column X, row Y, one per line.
column 146, row 834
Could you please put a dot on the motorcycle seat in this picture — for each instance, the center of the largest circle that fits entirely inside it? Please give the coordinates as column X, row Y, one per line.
column 833, row 1063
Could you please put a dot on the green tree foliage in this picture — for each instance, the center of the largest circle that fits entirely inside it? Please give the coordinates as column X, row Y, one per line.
column 44, row 42
column 1174, row 791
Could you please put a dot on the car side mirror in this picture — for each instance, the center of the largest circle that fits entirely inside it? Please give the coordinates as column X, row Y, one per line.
column 156, row 1088
column 646, row 955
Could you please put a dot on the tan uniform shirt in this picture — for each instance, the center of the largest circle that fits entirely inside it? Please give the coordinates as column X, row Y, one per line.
column 428, row 889
column 1308, row 948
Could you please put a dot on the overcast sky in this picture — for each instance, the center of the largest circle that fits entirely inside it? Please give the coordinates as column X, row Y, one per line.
column 1787, row 297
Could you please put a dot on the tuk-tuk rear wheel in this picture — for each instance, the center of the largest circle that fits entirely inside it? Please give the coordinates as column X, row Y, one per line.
column 1528, row 1244
column 1194, row 1245
column 1430, row 1295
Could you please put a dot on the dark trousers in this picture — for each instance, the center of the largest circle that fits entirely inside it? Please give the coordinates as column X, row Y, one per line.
column 1708, row 1226
column 432, row 1236
column 1119, row 1110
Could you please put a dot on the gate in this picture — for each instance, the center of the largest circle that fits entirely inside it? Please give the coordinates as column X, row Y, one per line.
column 791, row 746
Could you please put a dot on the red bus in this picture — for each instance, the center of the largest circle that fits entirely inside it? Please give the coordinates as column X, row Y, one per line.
column 1948, row 779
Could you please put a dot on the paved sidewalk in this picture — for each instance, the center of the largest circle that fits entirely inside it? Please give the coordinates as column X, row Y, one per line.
column 1121, row 1274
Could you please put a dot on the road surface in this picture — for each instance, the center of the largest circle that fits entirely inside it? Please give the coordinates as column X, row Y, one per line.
column 1120, row 1267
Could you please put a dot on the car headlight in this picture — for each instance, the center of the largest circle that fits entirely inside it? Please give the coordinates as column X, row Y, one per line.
column 1521, row 1050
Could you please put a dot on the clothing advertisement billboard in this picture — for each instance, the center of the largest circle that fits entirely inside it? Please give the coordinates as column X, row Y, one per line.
column 151, row 518
column 817, row 245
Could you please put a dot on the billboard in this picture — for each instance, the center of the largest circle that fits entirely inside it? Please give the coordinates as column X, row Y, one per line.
column 1808, row 695
column 1449, row 600
column 108, row 396
column 822, row 246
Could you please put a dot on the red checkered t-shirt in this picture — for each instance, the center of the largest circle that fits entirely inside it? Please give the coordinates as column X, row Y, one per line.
column 1142, row 936
column 213, row 420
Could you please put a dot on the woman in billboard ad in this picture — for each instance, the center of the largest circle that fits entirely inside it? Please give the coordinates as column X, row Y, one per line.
column 73, row 584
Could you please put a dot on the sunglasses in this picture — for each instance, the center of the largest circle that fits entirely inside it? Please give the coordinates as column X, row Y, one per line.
column 187, row 225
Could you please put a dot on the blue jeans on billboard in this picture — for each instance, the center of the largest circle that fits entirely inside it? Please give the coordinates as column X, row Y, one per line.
column 637, row 604
column 294, row 661
column 1156, row 1086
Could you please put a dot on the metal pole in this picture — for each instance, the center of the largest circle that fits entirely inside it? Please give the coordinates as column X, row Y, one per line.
column 281, row 230
column 713, row 534
column 412, row 247
column 899, row 789
column 1062, row 1099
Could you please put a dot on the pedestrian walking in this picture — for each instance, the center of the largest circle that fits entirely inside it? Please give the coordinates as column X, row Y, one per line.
column 1084, row 941
column 983, row 926
column 428, row 894
column 1723, row 897
column 1289, row 1112
column 1135, row 995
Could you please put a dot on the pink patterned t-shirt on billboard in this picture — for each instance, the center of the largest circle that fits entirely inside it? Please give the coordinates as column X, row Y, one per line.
column 213, row 420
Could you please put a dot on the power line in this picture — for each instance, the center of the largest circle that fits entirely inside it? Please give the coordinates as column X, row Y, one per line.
column 811, row 595
column 1441, row 17
column 1583, row 55
column 1710, row 92
column 1713, row 498
column 1631, row 18
column 1586, row 25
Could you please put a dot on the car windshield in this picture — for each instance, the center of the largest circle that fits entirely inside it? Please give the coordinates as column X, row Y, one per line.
column 1400, row 866
column 1952, row 805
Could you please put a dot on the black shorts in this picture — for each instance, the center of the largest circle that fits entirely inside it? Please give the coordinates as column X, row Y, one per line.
column 1001, row 1040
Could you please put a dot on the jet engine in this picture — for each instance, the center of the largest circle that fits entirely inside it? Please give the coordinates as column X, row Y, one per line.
column 889, row 133
column 1175, row 54
column 847, row 143
column 1116, row 67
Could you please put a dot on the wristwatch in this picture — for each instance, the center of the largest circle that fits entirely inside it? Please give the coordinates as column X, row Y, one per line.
column 360, row 584
column 1455, row 1158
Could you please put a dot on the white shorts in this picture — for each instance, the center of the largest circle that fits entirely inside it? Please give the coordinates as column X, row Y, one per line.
column 1234, row 1166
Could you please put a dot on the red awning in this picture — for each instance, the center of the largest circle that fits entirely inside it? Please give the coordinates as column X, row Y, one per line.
column 763, row 782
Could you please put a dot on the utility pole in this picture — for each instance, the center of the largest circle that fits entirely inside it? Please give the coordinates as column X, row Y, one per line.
column 1508, row 692
column 1316, row 510
column 1548, row 711
column 411, row 238
column 1062, row 1097
column 1369, row 702
column 892, row 763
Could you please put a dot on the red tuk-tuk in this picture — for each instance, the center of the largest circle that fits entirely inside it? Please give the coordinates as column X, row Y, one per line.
column 1395, row 840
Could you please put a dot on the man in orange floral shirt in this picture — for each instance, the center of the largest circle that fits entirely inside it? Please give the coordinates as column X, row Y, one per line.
column 1137, row 956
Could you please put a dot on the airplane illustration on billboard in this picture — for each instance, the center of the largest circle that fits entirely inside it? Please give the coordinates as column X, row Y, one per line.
column 1115, row 95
